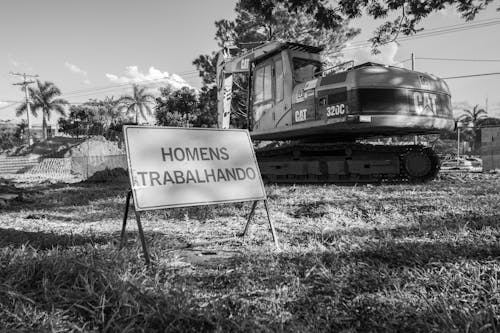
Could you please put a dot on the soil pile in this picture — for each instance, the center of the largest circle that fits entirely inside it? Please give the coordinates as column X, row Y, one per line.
column 96, row 146
column 52, row 147
column 109, row 176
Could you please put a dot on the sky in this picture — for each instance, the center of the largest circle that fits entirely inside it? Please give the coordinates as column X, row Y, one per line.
column 93, row 48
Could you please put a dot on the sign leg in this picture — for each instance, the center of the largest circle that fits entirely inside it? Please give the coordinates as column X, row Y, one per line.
column 247, row 226
column 271, row 225
column 125, row 216
column 141, row 235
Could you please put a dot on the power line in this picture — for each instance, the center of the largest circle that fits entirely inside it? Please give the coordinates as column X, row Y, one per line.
column 188, row 73
column 458, row 59
column 446, row 29
column 471, row 75
column 9, row 105
column 102, row 88
column 430, row 33
column 91, row 91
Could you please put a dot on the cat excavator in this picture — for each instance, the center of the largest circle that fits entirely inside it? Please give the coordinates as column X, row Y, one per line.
column 317, row 117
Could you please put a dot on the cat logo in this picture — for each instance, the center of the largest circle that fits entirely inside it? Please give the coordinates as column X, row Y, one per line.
column 245, row 63
column 301, row 115
column 424, row 103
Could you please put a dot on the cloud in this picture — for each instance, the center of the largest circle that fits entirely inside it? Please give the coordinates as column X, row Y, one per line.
column 461, row 105
column 386, row 56
column 153, row 78
column 75, row 69
column 19, row 64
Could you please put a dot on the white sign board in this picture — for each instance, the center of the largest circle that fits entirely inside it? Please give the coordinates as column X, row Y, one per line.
column 176, row 167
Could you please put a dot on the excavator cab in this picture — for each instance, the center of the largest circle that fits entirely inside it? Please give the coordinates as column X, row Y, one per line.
column 273, row 71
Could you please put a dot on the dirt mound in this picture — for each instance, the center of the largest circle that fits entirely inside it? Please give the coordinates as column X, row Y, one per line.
column 52, row 147
column 109, row 175
column 95, row 146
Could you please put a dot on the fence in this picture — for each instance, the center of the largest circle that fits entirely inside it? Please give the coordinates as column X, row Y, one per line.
column 81, row 167
column 79, row 157
column 17, row 164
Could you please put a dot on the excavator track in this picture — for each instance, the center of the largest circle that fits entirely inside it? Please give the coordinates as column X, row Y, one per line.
column 347, row 163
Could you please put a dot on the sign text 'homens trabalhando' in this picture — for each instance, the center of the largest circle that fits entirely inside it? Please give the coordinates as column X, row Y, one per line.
column 173, row 167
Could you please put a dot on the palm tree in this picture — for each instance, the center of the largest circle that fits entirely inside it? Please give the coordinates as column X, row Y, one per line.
column 106, row 110
column 137, row 103
column 112, row 111
column 472, row 118
column 43, row 97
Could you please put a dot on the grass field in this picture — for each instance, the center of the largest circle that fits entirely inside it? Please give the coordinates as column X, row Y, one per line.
column 403, row 258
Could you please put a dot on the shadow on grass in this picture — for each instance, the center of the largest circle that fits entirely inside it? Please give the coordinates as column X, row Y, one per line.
column 62, row 195
column 418, row 254
column 432, row 226
column 91, row 291
column 84, row 202
column 402, row 286
column 43, row 240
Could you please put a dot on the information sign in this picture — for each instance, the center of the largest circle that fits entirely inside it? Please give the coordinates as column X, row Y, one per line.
column 176, row 167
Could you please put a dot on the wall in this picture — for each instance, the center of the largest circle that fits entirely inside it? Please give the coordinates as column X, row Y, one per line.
column 490, row 147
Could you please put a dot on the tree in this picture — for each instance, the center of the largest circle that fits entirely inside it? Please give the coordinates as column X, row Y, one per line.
column 137, row 103
column 207, row 108
column 471, row 119
column 411, row 13
column 207, row 68
column 82, row 120
column 11, row 136
column 256, row 24
column 473, row 116
column 107, row 111
column 44, row 97
column 176, row 107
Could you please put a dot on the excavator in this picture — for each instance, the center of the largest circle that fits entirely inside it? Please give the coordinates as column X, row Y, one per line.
column 318, row 118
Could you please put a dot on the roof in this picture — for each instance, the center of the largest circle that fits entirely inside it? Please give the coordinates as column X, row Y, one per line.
column 302, row 47
column 239, row 64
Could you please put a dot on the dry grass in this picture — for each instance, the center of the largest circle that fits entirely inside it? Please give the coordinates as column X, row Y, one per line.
column 401, row 258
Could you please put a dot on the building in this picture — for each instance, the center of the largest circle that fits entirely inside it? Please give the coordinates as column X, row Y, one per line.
column 490, row 147
column 37, row 131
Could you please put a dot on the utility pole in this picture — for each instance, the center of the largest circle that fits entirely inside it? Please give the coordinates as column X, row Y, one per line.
column 25, row 84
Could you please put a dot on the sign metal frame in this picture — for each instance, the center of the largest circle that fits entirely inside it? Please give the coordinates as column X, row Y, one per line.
column 132, row 194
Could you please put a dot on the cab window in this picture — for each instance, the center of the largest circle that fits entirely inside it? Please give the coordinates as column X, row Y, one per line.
column 278, row 65
column 304, row 69
column 263, row 84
